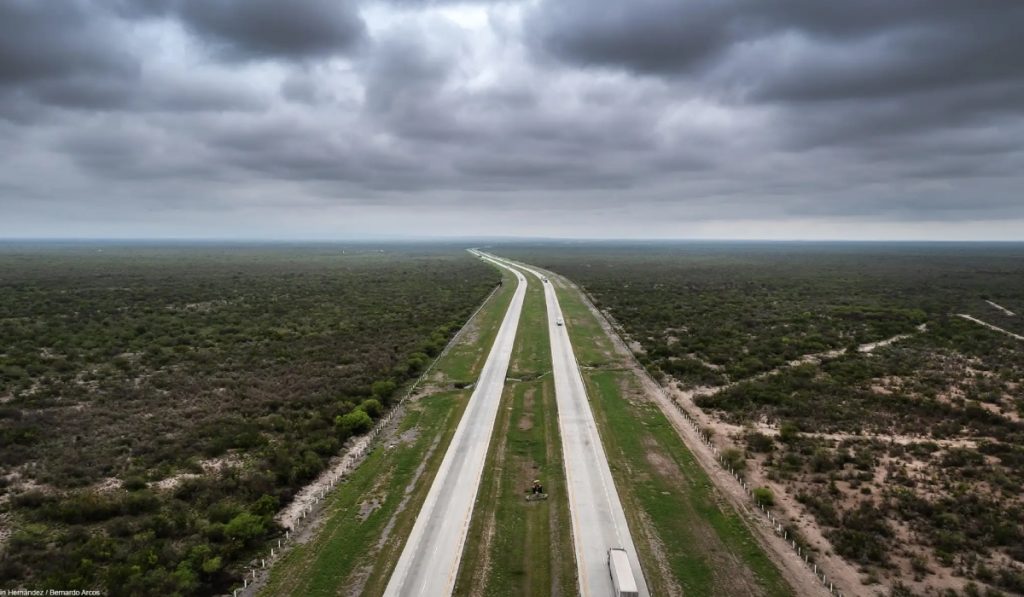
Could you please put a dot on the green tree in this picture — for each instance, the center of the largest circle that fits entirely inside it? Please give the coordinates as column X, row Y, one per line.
column 383, row 389
column 355, row 422
column 244, row 528
column 372, row 407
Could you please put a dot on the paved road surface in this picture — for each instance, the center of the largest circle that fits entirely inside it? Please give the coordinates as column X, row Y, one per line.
column 430, row 560
column 598, row 521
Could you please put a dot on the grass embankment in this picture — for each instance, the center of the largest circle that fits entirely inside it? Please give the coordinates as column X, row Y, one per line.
column 686, row 538
column 368, row 518
column 517, row 547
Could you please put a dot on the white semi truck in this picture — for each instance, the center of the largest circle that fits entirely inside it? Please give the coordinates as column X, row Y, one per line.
column 622, row 574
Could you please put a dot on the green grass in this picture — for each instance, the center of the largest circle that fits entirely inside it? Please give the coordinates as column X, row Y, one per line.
column 465, row 359
column 675, row 494
column 592, row 347
column 670, row 502
column 349, row 548
column 517, row 547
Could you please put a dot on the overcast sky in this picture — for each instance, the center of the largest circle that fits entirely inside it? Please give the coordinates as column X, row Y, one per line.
column 620, row 118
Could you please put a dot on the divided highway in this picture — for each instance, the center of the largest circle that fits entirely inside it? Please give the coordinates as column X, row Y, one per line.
column 598, row 520
column 430, row 560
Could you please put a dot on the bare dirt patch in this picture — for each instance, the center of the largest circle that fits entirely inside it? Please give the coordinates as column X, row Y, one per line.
column 1005, row 311
column 661, row 560
column 369, row 506
column 526, row 421
column 356, row 581
column 290, row 515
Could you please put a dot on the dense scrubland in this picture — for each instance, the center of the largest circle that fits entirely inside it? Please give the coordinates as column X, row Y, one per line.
column 909, row 455
column 158, row 404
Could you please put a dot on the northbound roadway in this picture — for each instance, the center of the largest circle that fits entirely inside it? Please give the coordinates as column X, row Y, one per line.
column 430, row 560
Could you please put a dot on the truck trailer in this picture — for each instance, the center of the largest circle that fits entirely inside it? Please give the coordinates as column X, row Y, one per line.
column 622, row 574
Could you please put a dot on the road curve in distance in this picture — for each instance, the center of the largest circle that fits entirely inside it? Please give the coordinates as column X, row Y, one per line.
column 430, row 559
column 598, row 520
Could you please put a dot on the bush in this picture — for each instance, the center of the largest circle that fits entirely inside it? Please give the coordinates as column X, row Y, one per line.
column 789, row 433
column 244, row 528
column 354, row 423
column 383, row 389
column 764, row 495
column 734, row 459
column 372, row 407
column 760, row 442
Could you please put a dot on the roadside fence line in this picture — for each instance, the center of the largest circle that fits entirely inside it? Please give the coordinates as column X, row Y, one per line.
column 358, row 453
column 778, row 526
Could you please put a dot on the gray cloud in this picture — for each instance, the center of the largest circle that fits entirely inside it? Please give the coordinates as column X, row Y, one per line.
column 246, row 29
column 47, row 40
column 639, row 116
column 270, row 28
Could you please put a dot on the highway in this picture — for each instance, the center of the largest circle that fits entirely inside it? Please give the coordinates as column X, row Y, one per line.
column 430, row 559
column 598, row 521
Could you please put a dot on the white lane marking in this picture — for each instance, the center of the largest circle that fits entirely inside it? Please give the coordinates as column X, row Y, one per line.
column 415, row 572
column 588, row 434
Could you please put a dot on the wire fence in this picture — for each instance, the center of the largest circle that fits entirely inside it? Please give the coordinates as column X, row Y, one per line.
column 257, row 569
column 780, row 527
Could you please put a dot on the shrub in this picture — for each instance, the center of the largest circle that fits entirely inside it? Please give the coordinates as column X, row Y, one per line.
column 734, row 459
column 383, row 389
column 355, row 422
column 760, row 442
column 244, row 528
column 372, row 407
column 789, row 433
column 764, row 495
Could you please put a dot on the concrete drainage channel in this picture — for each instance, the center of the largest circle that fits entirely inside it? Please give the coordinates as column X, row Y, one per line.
column 259, row 568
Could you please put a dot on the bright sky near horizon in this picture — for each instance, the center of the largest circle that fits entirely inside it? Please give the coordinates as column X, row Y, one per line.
column 770, row 119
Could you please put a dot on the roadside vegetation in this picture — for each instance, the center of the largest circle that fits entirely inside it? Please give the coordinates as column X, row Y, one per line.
column 159, row 404
column 368, row 519
column 907, row 455
column 688, row 540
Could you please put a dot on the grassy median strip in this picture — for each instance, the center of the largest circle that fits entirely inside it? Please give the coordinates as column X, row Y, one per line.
column 517, row 547
column 367, row 520
column 687, row 539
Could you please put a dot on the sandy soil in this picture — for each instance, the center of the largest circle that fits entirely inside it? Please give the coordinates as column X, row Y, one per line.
column 1002, row 308
column 990, row 326
column 870, row 346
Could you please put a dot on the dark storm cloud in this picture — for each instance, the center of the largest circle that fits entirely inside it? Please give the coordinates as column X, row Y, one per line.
column 667, row 36
column 856, row 75
column 77, row 55
column 58, row 53
column 271, row 28
column 47, row 40
column 695, row 110
column 243, row 29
